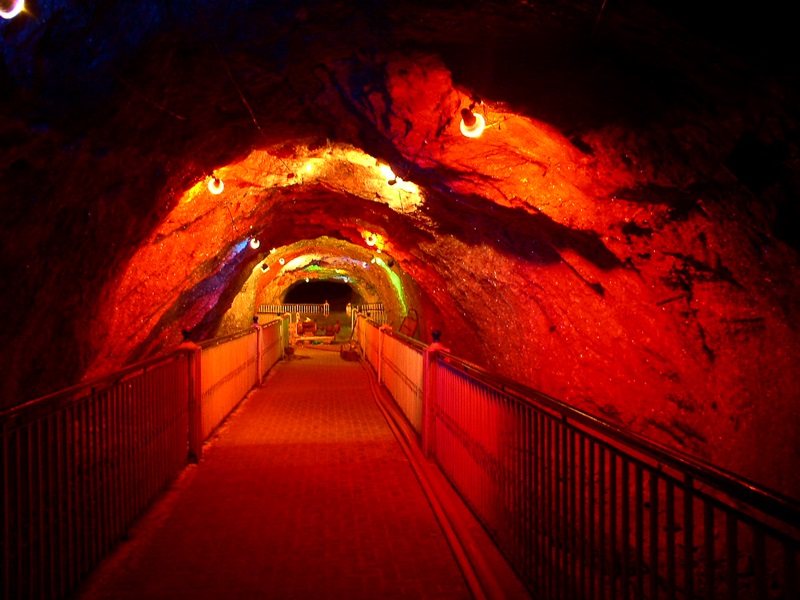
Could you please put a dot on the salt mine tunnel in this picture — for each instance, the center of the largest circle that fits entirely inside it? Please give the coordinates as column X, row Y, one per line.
column 620, row 236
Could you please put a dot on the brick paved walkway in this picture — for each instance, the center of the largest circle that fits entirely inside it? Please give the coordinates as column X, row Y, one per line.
column 304, row 493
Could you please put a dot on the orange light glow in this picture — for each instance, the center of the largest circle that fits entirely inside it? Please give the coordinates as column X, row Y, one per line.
column 16, row 8
column 215, row 185
column 472, row 124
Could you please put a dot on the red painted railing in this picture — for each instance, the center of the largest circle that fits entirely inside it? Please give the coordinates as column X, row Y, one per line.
column 580, row 508
column 79, row 466
column 400, row 366
column 229, row 368
column 274, row 339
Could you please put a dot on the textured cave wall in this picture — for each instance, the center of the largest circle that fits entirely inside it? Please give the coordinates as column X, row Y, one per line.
column 619, row 237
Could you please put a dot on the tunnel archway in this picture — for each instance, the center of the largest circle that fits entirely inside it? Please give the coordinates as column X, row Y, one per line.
column 569, row 235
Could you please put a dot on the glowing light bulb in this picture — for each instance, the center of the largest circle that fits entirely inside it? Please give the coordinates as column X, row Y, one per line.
column 472, row 124
column 15, row 9
column 371, row 240
column 386, row 171
column 215, row 185
column 254, row 243
column 282, row 261
column 307, row 280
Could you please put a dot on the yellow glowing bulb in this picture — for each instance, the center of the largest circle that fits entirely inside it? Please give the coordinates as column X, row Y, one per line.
column 282, row 261
column 15, row 9
column 254, row 244
column 472, row 124
column 371, row 240
column 386, row 171
column 215, row 185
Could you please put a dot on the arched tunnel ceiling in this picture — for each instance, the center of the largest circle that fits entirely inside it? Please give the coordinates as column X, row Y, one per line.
column 620, row 236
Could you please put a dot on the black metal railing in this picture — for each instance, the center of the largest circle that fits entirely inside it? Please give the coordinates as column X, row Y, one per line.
column 79, row 466
column 581, row 508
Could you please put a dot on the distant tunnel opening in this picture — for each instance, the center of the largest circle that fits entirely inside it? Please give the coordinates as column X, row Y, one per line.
column 316, row 292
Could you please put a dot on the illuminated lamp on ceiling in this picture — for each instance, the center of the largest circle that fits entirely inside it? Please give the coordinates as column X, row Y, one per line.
column 215, row 185
column 254, row 243
column 307, row 280
column 371, row 240
column 472, row 124
column 282, row 260
column 16, row 8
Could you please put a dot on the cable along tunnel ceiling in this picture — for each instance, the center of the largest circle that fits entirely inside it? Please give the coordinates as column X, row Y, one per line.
column 599, row 241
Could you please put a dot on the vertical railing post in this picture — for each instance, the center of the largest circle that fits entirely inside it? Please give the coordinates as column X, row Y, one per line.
column 195, row 408
column 381, row 336
column 428, row 400
column 259, row 354
column 281, row 338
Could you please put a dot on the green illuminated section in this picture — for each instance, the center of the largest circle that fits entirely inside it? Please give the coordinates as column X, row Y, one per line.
column 395, row 279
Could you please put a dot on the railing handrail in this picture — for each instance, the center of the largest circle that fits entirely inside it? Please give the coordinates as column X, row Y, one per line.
column 278, row 304
column 756, row 495
column 235, row 335
column 760, row 497
column 96, row 384
column 103, row 449
column 403, row 337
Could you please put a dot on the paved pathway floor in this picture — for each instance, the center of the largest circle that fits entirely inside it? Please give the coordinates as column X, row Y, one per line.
column 303, row 493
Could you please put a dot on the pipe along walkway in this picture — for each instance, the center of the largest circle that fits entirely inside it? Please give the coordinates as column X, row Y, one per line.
column 304, row 492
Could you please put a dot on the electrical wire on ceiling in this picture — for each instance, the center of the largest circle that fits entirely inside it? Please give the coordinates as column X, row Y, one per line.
column 231, row 77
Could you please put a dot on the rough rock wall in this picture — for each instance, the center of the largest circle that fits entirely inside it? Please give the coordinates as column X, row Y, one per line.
column 609, row 239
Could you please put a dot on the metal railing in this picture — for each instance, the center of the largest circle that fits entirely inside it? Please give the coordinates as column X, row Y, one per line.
column 305, row 309
column 370, row 306
column 400, row 364
column 79, row 466
column 368, row 339
column 374, row 311
column 229, row 368
column 582, row 509
column 274, row 339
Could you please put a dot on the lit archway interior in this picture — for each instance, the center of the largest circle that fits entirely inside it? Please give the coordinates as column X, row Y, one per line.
column 619, row 236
